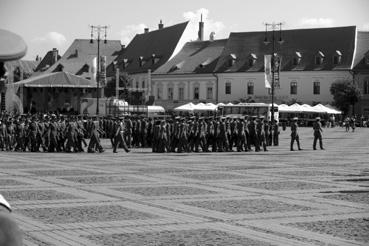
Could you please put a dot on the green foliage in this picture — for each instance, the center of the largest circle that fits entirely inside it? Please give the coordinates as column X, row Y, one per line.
column 345, row 94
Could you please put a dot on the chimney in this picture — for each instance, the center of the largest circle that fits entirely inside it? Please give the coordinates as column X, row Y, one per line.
column 161, row 25
column 146, row 30
column 55, row 56
column 123, row 47
column 201, row 30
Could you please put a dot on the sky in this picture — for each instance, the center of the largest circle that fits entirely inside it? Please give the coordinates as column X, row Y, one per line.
column 48, row 24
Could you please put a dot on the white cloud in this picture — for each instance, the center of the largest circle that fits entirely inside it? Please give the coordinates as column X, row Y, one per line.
column 210, row 25
column 54, row 38
column 316, row 22
column 365, row 27
column 128, row 32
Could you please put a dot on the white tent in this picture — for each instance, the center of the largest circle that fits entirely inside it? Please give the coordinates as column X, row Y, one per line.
column 155, row 109
column 326, row 109
column 310, row 109
column 205, row 107
column 212, row 106
column 189, row 107
column 333, row 108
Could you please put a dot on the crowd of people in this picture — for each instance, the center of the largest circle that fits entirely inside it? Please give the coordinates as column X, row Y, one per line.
column 58, row 133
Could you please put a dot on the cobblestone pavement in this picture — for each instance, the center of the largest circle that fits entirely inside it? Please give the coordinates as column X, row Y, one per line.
column 142, row 198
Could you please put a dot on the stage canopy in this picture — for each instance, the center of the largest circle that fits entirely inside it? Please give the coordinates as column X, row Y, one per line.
column 57, row 80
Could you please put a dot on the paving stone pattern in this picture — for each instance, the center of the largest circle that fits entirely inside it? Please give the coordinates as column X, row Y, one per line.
column 85, row 214
column 356, row 229
column 284, row 185
column 200, row 199
column 177, row 238
column 249, row 206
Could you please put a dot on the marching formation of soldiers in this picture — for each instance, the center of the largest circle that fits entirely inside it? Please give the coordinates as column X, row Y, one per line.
column 214, row 134
column 51, row 133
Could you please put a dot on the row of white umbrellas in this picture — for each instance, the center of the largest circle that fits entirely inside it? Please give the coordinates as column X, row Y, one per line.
column 282, row 108
column 305, row 108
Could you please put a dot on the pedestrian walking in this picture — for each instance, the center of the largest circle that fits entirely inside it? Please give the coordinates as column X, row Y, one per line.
column 295, row 134
column 317, row 127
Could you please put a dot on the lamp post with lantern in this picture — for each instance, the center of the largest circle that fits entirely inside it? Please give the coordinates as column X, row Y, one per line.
column 98, row 29
column 273, row 26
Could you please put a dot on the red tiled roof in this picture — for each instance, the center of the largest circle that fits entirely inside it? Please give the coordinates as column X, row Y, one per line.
column 308, row 42
column 82, row 52
column 195, row 57
column 160, row 43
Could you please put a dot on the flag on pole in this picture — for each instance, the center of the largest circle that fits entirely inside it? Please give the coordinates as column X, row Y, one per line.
column 94, row 68
column 268, row 71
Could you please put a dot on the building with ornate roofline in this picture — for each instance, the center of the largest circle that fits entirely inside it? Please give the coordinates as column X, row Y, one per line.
column 312, row 59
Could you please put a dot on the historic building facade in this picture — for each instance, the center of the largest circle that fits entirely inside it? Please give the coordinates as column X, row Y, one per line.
column 311, row 60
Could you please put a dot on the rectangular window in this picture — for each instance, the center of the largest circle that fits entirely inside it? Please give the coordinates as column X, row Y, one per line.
column 316, row 88
column 196, row 93
column 228, row 88
column 143, row 83
column 181, row 93
column 159, row 92
column 209, row 93
column 293, row 88
column 366, row 86
column 250, row 88
column 170, row 93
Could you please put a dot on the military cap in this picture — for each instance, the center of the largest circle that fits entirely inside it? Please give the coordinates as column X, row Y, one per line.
column 317, row 118
column 295, row 118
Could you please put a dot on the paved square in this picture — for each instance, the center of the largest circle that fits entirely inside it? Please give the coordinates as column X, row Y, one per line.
column 143, row 198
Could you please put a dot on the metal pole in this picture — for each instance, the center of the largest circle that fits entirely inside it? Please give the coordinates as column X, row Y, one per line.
column 273, row 67
column 98, row 73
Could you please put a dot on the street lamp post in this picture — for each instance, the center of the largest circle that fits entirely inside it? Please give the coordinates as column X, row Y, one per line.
column 98, row 29
column 273, row 26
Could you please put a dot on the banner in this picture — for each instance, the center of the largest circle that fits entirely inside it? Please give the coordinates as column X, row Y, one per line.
column 268, row 71
column 94, row 68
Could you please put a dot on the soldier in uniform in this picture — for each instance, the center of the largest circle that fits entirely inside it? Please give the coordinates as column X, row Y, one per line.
column 275, row 133
column 295, row 134
column 317, row 127
column 241, row 135
column 260, row 133
column 119, row 136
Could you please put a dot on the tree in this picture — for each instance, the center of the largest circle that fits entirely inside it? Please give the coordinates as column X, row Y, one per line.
column 345, row 94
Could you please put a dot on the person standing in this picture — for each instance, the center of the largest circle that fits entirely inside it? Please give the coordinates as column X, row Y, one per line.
column 119, row 136
column 295, row 134
column 317, row 127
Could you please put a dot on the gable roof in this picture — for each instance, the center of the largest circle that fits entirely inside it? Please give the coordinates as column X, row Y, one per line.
column 308, row 42
column 58, row 79
column 195, row 57
column 79, row 56
column 362, row 50
column 46, row 62
column 161, row 43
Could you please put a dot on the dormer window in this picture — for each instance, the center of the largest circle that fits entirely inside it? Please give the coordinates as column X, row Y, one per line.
column 232, row 60
column 124, row 63
column 319, row 58
column 154, row 59
column 252, row 59
column 297, row 58
column 141, row 61
column 205, row 63
column 337, row 57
